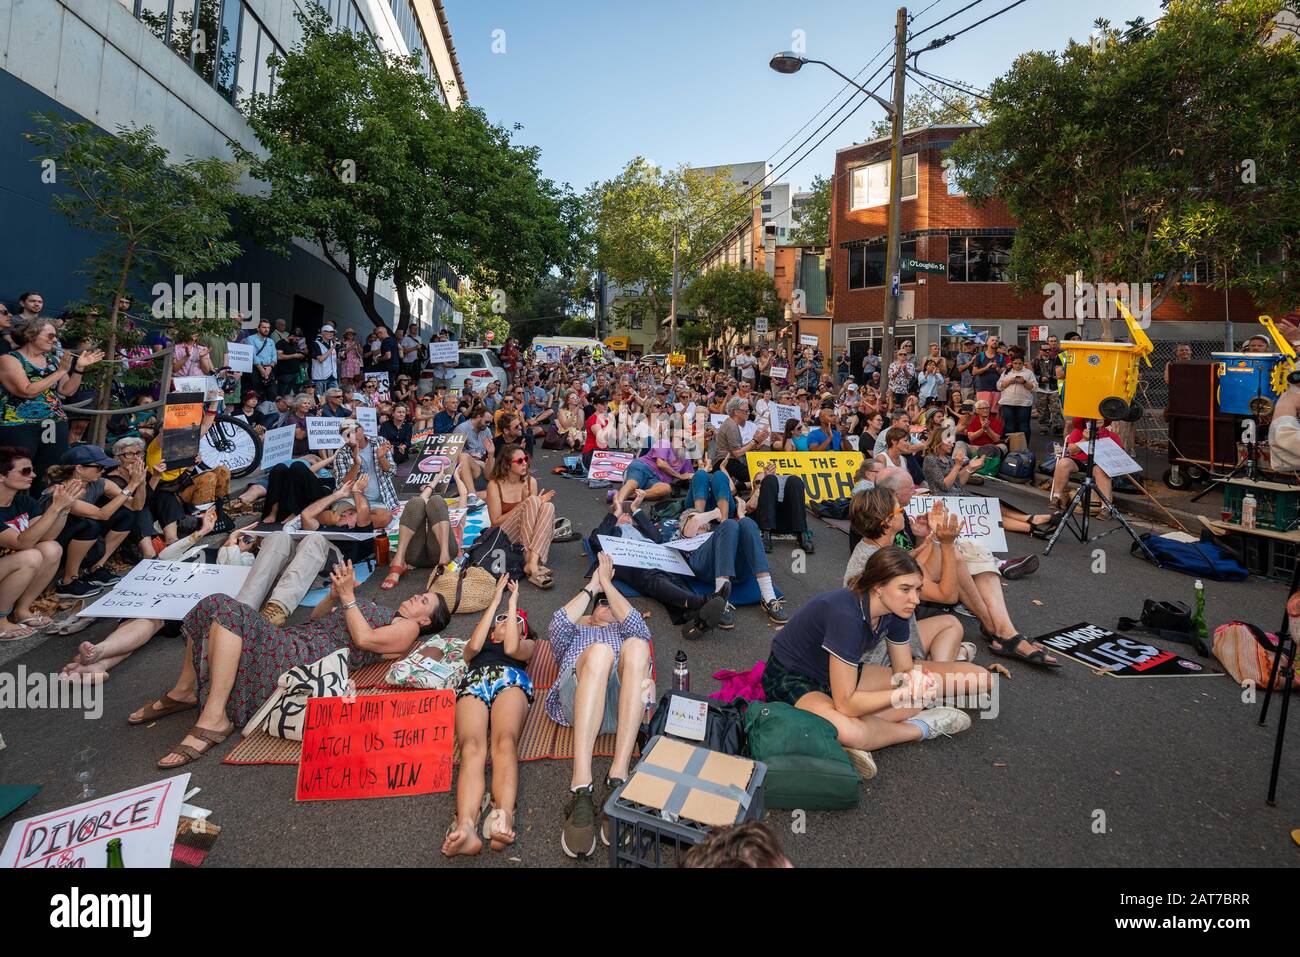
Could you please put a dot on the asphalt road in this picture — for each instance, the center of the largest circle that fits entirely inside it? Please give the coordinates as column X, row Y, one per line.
column 1076, row 769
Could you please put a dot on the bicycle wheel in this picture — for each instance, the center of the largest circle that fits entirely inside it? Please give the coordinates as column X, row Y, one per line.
column 231, row 443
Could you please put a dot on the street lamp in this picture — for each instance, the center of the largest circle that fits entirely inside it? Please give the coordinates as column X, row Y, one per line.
column 788, row 63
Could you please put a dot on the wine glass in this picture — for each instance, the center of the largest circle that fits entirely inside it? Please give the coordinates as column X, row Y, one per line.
column 83, row 767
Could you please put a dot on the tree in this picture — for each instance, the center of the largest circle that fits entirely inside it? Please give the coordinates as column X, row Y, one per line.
column 728, row 299
column 923, row 108
column 815, row 218
column 158, row 222
column 480, row 313
column 360, row 155
column 582, row 328
column 1150, row 150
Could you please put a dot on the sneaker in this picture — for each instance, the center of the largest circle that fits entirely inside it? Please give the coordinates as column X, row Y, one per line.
column 728, row 619
column 1015, row 568
column 78, row 588
column 776, row 612
column 579, row 836
column 862, row 762
column 807, row 537
column 611, row 785
column 473, row 501
column 103, row 575
column 767, row 540
column 960, row 609
column 944, row 721
column 275, row 613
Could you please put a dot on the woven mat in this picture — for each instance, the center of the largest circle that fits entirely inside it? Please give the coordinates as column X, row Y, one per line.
column 541, row 739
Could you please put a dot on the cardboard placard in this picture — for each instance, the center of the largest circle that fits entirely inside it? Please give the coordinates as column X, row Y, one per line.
column 747, row 431
column 609, row 466
column 381, row 379
column 277, row 447
column 636, row 554
column 808, row 341
column 203, row 384
column 166, row 590
column 683, row 780
column 781, row 414
column 239, row 356
column 1113, row 460
column 143, row 818
column 434, row 463
column 1118, row 655
column 981, row 518
column 369, row 419
column 826, row 475
column 323, row 432
column 182, row 419
column 372, row 746
column 778, row 373
column 444, row 352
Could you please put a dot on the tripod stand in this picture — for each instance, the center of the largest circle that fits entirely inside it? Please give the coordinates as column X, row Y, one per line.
column 1286, row 646
column 1082, row 502
column 1249, row 463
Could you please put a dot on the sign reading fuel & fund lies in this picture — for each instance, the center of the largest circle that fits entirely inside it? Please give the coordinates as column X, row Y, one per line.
column 826, row 475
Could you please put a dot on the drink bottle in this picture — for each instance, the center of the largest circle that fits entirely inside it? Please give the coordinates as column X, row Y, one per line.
column 115, row 853
column 681, row 674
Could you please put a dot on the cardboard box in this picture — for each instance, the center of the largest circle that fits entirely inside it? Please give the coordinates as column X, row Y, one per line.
column 681, row 780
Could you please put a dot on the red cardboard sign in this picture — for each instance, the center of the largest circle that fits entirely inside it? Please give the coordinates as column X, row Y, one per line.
column 371, row 746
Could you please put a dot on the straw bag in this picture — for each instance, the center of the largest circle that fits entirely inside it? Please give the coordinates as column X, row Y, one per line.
column 1246, row 652
column 465, row 592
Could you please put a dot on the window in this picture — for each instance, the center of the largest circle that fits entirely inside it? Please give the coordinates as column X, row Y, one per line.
column 228, row 50
column 767, row 194
column 767, row 207
column 638, row 322
column 869, row 185
column 867, row 265
column 979, row 258
column 153, row 14
column 471, row 360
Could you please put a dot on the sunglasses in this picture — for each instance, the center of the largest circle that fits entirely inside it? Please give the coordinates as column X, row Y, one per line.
column 502, row 619
column 523, row 461
column 26, row 470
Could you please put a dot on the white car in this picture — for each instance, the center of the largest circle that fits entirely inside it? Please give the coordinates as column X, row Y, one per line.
column 654, row 359
column 478, row 367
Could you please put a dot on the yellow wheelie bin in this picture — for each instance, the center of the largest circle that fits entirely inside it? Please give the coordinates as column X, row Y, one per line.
column 1101, row 378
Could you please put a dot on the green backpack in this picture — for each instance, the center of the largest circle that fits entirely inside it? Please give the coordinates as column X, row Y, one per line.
column 806, row 766
column 991, row 464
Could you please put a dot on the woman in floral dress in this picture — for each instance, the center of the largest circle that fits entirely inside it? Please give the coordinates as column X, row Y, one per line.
column 350, row 358
column 234, row 657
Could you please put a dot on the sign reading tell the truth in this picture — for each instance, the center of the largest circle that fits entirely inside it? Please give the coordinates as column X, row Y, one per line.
column 369, row 746
column 826, row 475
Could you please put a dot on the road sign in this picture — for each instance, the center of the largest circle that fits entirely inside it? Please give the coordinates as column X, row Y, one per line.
column 490, row 335
column 921, row 265
column 893, row 286
column 760, row 325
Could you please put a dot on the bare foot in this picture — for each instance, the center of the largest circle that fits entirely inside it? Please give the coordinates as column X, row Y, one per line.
column 87, row 653
column 462, row 840
column 74, row 669
column 501, row 829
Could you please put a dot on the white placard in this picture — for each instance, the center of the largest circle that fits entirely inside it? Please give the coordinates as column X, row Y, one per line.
column 760, row 325
column 1113, row 460
column 444, row 352
column 687, row 718
column 143, row 818
column 747, row 431
column 634, row 554
column 239, row 356
column 689, row 544
column 297, row 531
column 781, row 414
column 808, row 341
column 852, row 441
column 981, row 517
column 205, row 384
column 323, row 432
column 778, row 373
column 277, row 447
column 167, row 590
column 369, row 419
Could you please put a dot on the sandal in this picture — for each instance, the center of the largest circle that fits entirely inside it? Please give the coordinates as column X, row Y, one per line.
column 36, row 622
column 395, row 573
column 495, row 817
column 542, row 580
column 153, row 713
column 1002, row 647
column 190, row 754
column 17, row 633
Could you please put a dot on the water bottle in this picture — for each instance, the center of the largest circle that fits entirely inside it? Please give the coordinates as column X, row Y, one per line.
column 1248, row 511
column 1198, row 620
column 681, row 674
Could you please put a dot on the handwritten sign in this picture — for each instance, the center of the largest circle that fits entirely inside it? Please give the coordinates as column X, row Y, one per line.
column 779, row 373
column 277, row 447
column 826, row 475
column 747, row 431
column 444, row 352
column 167, row 590
column 435, row 462
column 144, row 819
column 369, row 419
column 781, row 414
column 372, row 746
column 1113, row 460
column 981, row 518
column 808, row 341
column 635, row 554
column 204, row 384
column 182, row 418
column 323, row 432
column 381, row 382
column 609, row 466
column 239, row 356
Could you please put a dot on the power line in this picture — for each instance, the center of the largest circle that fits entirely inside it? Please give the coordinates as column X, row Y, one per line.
column 945, row 19
column 944, row 40
column 951, row 84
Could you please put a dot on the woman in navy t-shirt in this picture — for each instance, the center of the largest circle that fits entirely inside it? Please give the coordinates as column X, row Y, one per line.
column 816, row 663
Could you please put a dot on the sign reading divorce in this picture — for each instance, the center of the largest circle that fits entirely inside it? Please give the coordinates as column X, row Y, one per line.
column 323, row 432
column 1118, row 655
column 826, row 475
column 609, row 466
column 370, row 746
column 166, row 590
column 434, row 463
column 981, row 518
column 635, row 554
column 144, row 819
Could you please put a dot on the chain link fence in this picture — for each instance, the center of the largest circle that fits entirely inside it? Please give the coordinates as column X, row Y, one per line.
column 1152, row 431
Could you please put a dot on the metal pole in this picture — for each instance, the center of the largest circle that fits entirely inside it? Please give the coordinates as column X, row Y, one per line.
column 672, row 319
column 895, row 197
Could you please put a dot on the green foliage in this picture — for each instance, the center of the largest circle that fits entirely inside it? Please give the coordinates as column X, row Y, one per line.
column 632, row 308
column 578, row 326
column 815, row 218
column 726, row 300
column 924, row 108
column 1126, row 159
column 692, row 335
column 481, row 312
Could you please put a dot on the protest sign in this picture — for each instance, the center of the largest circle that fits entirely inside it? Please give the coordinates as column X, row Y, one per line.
column 239, row 356
column 779, row 373
column 781, row 414
column 277, row 447
column 369, row 419
column 808, row 341
column 1118, row 655
column 444, row 352
column 981, row 518
column 434, row 463
column 167, row 590
column 203, row 384
column 323, row 432
column 143, row 818
column 182, row 418
column 372, row 746
column 747, row 431
column 689, row 544
column 1113, row 460
column 826, row 475
column 381, row 381
column 852, row 442
column 609, row 466
column 635, row 554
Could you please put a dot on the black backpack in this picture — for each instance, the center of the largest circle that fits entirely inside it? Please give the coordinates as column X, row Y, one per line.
column 492, row 547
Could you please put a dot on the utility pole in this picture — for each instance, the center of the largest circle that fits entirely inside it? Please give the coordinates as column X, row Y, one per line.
column 893, row 292
column 672, row 319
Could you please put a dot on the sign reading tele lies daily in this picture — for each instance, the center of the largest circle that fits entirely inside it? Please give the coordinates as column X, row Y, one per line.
column 166, row 590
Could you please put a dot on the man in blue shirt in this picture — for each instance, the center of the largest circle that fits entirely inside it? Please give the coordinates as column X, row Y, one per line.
column 825, row 438
column 262, row 378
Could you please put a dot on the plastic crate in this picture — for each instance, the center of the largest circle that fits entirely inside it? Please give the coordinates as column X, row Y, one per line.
column 640, row 834
column 1267, row 556
column 1275, row 509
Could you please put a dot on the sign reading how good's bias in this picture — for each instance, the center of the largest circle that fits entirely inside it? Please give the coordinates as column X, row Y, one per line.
column 370, row 746
column 631, row 553
column 826, row 475
column 166, row 590
column 1119, row 655
column 435, row 462
column 981, row 518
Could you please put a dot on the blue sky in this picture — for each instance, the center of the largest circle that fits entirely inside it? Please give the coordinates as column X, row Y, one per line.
column 596, row 82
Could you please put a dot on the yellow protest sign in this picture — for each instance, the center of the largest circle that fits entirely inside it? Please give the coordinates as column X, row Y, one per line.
column 826, row 475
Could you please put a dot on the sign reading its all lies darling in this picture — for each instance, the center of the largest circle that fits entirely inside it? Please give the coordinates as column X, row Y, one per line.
column 435, row 462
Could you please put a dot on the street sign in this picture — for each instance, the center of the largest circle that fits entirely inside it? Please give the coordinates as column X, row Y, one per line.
column 893, row 286
column 490, row 335
column 921, row 265
column 760, row 325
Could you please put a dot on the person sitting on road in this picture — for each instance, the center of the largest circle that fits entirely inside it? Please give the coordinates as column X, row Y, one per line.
column 602, row 646
column 1075, row 459
column 426, row 537
column 29, row 532
column 984, row 431
column 733, row 552
column 777, row 504
column 729, row 446
column 397, row 433
column 476, row 459
column 346, row 509
column 517, row 506
column 817, row 663
column 492, row 701
column 826, row 437
column 946, row 469
column 751, row 844
column 655, row 473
